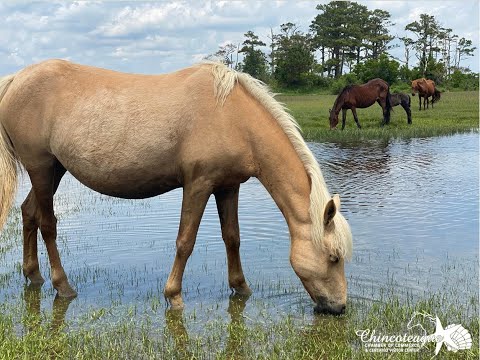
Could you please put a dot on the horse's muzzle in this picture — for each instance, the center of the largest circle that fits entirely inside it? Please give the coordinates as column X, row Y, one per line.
column 329, row 308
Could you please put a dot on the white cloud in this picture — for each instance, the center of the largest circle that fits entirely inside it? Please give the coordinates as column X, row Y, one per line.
column 163, row 36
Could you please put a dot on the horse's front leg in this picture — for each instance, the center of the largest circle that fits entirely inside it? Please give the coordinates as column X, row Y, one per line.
column 354, row 112
column 344, row 118
column 195, row 197
column 227, row 205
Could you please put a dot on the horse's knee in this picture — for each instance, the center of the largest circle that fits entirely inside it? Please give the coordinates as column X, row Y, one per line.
column 184, row 247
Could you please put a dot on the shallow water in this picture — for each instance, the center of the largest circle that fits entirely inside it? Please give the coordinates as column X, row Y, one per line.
column 412, row 206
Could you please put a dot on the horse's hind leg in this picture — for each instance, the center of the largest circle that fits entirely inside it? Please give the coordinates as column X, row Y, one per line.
column 227, row 205
column 354, row 112
column 31, row 221
column 195, row 197
column 407, row 111
column 44, row 186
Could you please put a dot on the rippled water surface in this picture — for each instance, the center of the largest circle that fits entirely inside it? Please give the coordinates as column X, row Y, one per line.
column 412, row 206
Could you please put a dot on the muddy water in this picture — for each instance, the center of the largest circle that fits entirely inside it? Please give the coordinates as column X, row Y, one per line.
column 412, row 205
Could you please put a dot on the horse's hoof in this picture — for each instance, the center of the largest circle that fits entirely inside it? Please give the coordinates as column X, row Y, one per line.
column 243, row 290
column 36, row 279
column 66, row 292
column 176, row 303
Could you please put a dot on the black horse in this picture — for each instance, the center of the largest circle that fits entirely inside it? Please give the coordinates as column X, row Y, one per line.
column 403, row 100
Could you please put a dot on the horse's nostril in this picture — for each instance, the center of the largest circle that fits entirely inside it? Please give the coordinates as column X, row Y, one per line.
column 342, row 309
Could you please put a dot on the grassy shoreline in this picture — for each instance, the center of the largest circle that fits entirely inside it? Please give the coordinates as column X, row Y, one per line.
column 234, row 337
column 456, row 112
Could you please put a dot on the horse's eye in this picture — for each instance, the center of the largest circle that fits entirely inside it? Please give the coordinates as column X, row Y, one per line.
column 334, row 259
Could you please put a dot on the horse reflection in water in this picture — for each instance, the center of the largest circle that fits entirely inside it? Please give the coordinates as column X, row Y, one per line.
column 237, row 342
column 206, row 129
column 32, row 295
column 236, row 338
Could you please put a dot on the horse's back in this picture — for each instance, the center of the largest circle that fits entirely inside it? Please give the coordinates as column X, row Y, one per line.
column 365, row 95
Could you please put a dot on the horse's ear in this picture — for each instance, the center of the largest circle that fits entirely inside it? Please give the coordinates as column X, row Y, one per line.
column 333, row 205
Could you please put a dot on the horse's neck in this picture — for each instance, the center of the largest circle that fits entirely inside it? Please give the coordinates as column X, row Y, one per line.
column 338, row 104
column 284, row 176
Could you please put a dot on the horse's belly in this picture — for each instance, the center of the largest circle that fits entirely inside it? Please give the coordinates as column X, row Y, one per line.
column 135, row 184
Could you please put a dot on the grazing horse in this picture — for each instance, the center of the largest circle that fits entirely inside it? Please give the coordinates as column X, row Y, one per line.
column 425, row 89
column 361, row 96
column 405, row 101
column 205, row 128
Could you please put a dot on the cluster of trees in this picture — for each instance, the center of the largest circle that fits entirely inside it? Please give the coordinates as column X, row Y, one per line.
column 348, row 43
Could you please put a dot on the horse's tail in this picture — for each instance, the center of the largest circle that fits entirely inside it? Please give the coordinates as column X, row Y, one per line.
column 8, row 162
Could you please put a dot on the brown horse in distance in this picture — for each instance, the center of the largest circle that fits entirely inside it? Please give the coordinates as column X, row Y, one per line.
column 206, row 129
column 425, row 89
column 361, row 96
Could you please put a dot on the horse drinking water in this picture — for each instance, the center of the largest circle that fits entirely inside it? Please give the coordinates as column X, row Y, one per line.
column 361, row 96
column 205, row 128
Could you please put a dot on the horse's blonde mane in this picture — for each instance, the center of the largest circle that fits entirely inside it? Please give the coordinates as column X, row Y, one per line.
column 224, row 82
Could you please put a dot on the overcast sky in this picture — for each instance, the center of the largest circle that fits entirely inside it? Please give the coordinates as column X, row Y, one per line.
column 156, row 37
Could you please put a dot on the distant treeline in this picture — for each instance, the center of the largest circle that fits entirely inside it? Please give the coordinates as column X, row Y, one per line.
column 348, row 43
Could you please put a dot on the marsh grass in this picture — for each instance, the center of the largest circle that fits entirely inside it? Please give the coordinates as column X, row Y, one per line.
column 236, row 337
column 456, row 112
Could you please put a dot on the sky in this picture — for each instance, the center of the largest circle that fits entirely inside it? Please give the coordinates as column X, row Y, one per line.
column 158, row 37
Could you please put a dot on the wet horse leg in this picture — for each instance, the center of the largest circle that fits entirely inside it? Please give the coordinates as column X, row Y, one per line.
column 344, row 118
column 354, row 112
column 43, row 186
column 195, row 197
column 31, row 220
column 227, row 206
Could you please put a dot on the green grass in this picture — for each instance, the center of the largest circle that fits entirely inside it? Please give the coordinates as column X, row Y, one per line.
column 456, row 112
column 236, row 337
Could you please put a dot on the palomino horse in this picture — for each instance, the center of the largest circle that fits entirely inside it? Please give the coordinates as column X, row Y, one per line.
column 425, row 88
column 361, row 96
column 205, row 128
column 405, row 101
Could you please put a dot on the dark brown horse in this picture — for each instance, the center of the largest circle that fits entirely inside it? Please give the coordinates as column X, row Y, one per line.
column 405, row 101
column 425, row 89
column 361, row 96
